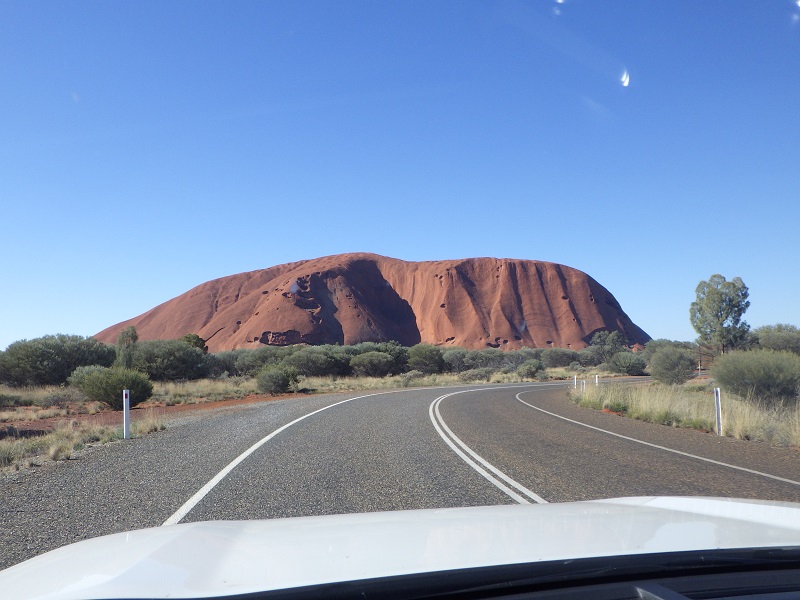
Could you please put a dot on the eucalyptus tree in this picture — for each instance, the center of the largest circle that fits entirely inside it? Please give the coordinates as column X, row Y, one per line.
column 716, row 315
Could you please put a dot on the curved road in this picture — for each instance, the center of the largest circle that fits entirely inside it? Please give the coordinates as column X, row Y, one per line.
column 400, row 449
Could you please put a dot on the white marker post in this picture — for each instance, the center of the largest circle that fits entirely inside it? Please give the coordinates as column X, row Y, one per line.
column 583, row 386
column 597, row 380
column 126, row 414
column 718, row 409
column 575, row 379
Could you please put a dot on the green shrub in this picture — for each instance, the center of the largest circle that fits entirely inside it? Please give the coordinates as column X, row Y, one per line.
column 372, row 364
column 169, row 360
column 455, row 360
column 318, row 361
column 480, row 374
column 223, row 364
column 80, row 373
column 558, row 357
column 530, row 369
column 398, row 353
column 577, row 367
column 627, row 363
column 409, row 377
column 49, row 360
column 654, row 346
column 672, row 365
column 605, row 344
column 9, row 400
column 588, row 357
column 488, row 357
column 779, row 337
column 61, row 397
column 426, row 358
column 107, row 385
column 194, row 340
column 250, row 362
column 276, row 380
column 761, row 374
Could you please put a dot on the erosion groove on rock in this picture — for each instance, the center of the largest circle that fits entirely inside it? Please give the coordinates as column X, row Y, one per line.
column 351, row 298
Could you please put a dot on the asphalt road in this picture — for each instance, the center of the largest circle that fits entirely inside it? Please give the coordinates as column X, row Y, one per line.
column 377, row 451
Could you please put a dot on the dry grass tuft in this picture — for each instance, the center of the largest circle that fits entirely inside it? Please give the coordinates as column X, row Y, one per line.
column 325, row 385
column 69, row 437
column 692, row 406
column 150, row 423
column 202, row 390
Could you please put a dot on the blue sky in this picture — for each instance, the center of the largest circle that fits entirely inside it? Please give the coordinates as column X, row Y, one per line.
column 148, row 147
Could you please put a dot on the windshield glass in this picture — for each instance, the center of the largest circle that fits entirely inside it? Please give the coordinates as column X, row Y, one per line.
column 351, row 257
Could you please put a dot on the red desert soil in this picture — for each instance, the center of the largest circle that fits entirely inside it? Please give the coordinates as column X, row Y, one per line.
column 350, row 298
column 114, row 418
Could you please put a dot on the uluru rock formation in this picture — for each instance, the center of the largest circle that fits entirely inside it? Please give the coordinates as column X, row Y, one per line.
column 351, row 298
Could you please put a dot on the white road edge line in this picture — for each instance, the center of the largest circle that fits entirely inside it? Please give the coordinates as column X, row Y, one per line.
column 625, row 437
column 203, row 491
column 452, row 440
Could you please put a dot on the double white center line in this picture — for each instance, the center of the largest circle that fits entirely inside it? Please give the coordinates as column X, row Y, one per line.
column 495, row 476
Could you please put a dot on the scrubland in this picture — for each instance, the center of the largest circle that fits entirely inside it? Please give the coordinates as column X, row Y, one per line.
column 692, row 405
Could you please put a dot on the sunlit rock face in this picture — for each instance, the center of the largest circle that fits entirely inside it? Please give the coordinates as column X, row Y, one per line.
column 350, row 298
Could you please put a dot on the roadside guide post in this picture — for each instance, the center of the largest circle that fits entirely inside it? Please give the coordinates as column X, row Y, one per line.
column 718, row 410
column 126, row 414
column 597, row 379
column 575, row 381
column 583, row 386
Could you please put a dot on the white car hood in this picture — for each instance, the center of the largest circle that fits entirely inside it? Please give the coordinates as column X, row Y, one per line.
column 222, row 558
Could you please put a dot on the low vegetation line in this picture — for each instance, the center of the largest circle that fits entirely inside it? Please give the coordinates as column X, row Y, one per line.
column 23, row 449
column 692, row 406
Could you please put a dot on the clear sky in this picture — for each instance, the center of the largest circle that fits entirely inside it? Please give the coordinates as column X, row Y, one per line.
column 148, row 147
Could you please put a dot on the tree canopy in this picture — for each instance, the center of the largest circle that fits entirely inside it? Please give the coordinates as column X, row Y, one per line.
column 781, row 337
column 49, row 360
column 716, row 315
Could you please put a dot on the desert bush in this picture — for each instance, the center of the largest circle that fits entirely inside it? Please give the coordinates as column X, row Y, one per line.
column 653, row 346
column 558, row 357
column 219, row 364
column 372, row 364
column 49, row 360
column 79, row 374
column 530, row 369
column 250, row 362
column 488, row 357
column 780, row 337
column 60, row 397
column 9, row 400
column 577, row 367
column 410, row 377
column 203, row 390
column 398, row 353
column 693, row 406
column 587, row 357
column 672, row 365
column 454, row 360
column 605, row 344
column 194, row 340
column 169, row 360
column 276, row 380
column 480, row 374
column 765, row 375
column 426, row 358
column 318, row 361
column 627, row 363
column 107, row 385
